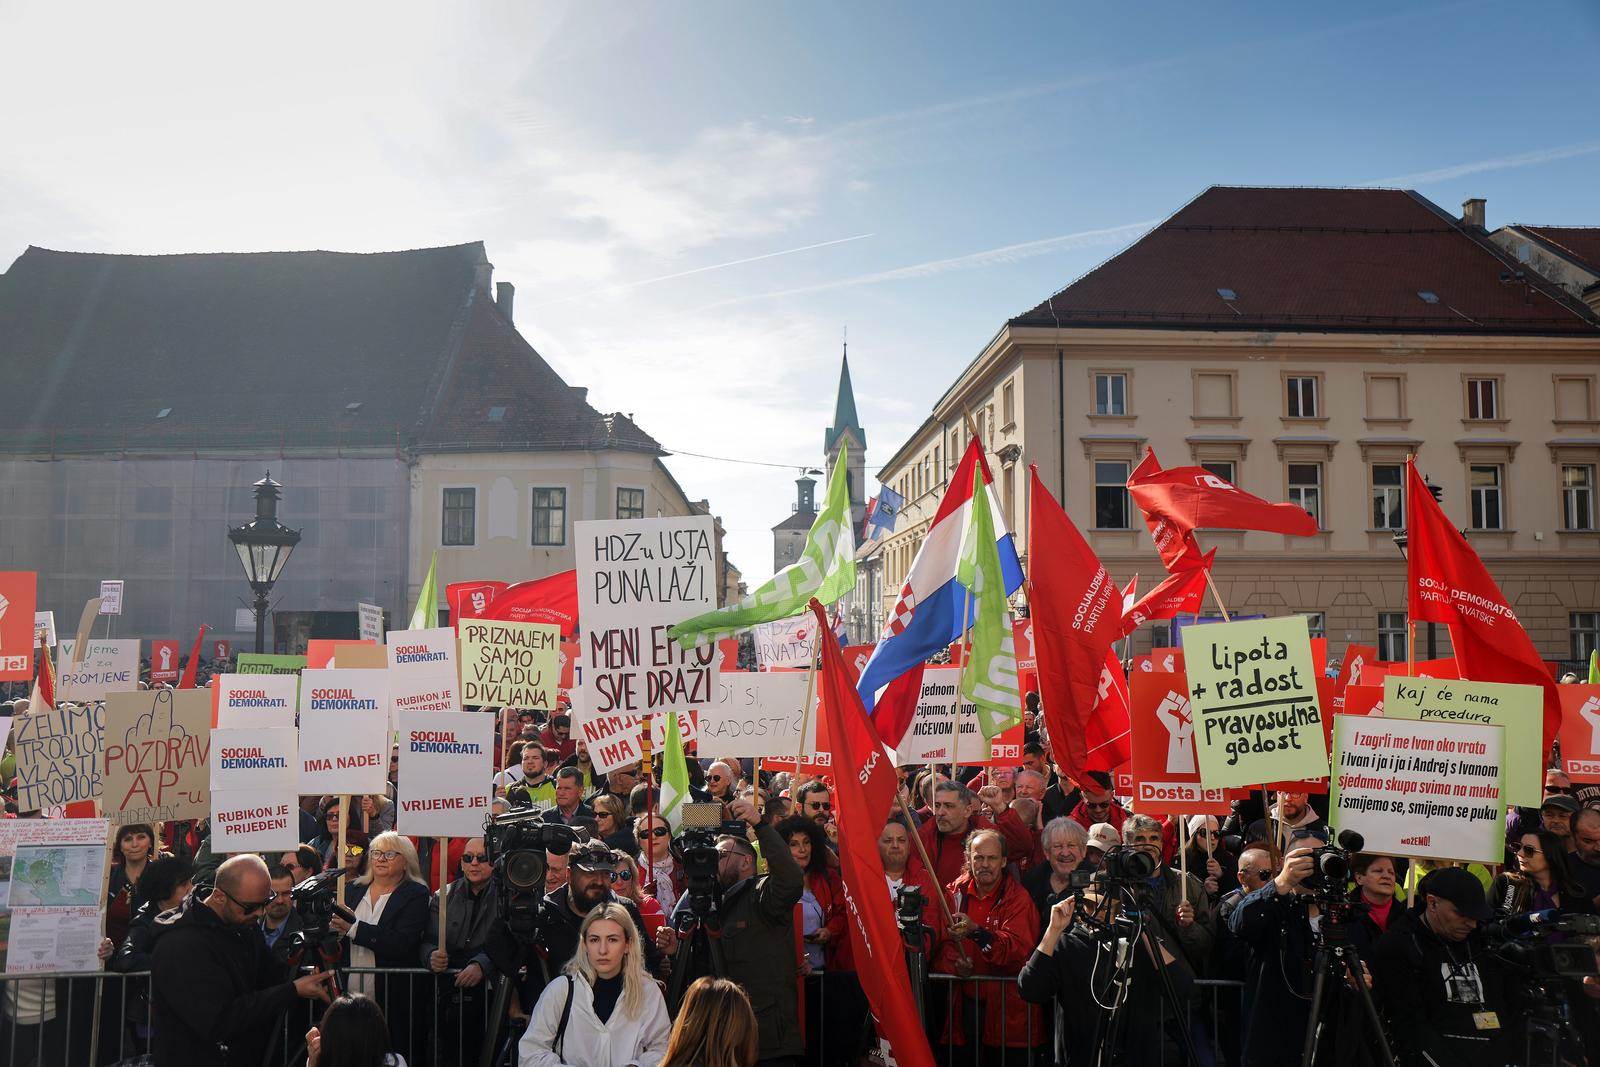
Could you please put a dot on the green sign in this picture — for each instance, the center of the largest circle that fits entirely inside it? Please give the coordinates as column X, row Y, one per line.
column 261, row 663
column 1254, row 695
column 1518, row 708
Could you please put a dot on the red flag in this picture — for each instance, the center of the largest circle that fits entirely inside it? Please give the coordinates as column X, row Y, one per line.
column 1448, row 583
column 861, row 808
column 43, row 696
column 192, row 668
column 553, row 599
column 1181, row 592
column 1191, row 498
column 1075, row 609
column 469, row 600
column 1106, row 736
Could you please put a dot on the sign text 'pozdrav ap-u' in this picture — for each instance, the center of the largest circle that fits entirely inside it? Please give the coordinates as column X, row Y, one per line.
column 157, row 756
column 636, row 577
column 344, row 731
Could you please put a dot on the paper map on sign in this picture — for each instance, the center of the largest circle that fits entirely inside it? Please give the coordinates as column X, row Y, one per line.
column 56, row 875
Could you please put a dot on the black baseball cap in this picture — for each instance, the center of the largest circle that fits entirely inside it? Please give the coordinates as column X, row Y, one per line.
column 592, row 857
column 1562, row 802
column 1460, row 887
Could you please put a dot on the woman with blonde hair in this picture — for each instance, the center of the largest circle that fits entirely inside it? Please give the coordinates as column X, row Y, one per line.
column 603, row 1011
column 384, row 927
column 716, row 1027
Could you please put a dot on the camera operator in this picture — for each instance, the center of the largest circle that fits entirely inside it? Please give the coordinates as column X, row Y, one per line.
column 1271, row 924
column 758, row 934
column 214, row 985
column 1445, row 995
column 1189, row 918
column 563, row 911
column 470, row 911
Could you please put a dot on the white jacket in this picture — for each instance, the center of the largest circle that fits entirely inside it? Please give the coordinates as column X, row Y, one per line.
column 621, row 1042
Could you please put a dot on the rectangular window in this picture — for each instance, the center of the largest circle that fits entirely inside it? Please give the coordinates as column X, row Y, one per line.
column 1222, row 468
column 1585, row 635
column 1110, row 394
column 1316, row 624
column 1303, row 398
column 1487, row 512
column 1110, row 496
column 460, row 517
column 938, row 467
column 1008, row 495
column 1305, row 488
column 1392, row 636
column 550, row 516
column 1483, row 398
column 1577, row 496
column 630, row 503
column 1388, row 496
column 1008, row 403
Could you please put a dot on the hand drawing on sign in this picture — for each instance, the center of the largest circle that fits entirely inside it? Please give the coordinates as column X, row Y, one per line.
column 166, row 658
column 1355, row 670
column 1590, row 710
column 1176, row 717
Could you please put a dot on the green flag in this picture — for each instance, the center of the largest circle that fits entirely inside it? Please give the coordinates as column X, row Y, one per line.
column 990, row 677
column 1594, row 666
column 826, row 570
column 425, row 616
column 674, row 776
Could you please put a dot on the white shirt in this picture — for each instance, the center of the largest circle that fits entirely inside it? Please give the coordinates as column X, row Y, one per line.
column 665, row 894
column 368, row 911
column 622, row 1041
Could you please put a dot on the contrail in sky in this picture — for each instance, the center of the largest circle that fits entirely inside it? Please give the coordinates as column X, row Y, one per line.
column 1461, row 170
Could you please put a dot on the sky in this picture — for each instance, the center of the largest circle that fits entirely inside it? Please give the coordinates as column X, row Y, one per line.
column 695, row 201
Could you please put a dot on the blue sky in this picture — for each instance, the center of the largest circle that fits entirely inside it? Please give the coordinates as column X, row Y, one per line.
column 646, row 173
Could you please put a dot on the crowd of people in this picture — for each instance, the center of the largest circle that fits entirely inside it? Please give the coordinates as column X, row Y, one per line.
column 1011, row 884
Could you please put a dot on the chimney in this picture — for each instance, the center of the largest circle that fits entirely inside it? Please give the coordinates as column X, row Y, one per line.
column 482, row 272
column 582, row 392
column 1475, row 212
column 504, row 294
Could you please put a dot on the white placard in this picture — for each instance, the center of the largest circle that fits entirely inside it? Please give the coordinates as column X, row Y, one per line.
column 255, row 758
column 244, row 620
column 55, row 868
column 446, row 773
column 256, row 700
column 757, row 714
column 254, row 820
column 422, row 671
column 613, row 740
column 931, row 736
column 107, row 667
column 344, row 731
column 44, row 625
column 111, row 596
column 786, row 642
column 636, row 577
column 370, row 619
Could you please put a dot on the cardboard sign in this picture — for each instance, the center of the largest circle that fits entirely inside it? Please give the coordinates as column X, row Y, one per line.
column 344, row 731
column 1580, row 732
column 1363, row 700
column 1421, row 788
column 58, row 756
column 17, row 592
column 52, row 871
column 1022, row 640
column 254, row 820
column 1254, row 687
column 785, row 642
column 360, row 655
column 107, row 667
column 446, row 767
column 158, row 756
column 1166, row 773
column 111, row 596
column 757, row 714
column 44, row 628
column 931, row 737
column 1159, row 659
column 263, row 663
column 636, row 577
column 1518, row 708
column 255, row 758
column 257, row 700
column 321, row 650
column 422, row 670
column 509, row 664
column 370, row 622
column 164, row 661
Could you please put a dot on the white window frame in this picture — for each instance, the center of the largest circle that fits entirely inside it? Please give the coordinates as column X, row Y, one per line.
column 1480, row 390
column 1391, row 633
column 1316, row 623
column 1127, row 502
column 1299, row 387
column 1393, row 498
column 1298, row 490
column 1479, row 497
column 1232, row 477
column 1577, row 501
column 1584, row 631
column 1111, row 405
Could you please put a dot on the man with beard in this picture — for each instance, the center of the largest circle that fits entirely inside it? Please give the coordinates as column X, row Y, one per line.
column 564, row 910
column 945, row 835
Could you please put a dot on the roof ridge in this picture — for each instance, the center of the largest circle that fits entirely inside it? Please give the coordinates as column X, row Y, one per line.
column 258, row 252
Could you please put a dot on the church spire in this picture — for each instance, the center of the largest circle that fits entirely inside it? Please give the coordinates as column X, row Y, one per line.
column 844, row 411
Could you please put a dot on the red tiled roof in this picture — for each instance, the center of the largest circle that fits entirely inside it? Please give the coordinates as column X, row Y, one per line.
column 1581, row 244
column 1316, row 260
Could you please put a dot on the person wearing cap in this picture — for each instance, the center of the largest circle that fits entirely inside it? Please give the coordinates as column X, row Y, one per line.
column 1444, row 992
column 588, row 884
column 1556, row 814
column 1208, row 858
column 1103, row 837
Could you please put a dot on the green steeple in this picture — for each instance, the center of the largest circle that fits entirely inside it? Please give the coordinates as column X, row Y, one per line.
column 844, row 412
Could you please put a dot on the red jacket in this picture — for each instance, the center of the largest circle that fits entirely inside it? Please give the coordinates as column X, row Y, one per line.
column 1009, row 915
column 948, row 851
column 829, row 891
column 1116, row 816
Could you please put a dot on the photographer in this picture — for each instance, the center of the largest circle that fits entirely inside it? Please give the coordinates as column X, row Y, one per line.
column 214, row 989
column 1064, row 843
column 1271, row 925
column 470, row 911
column 758, row 935
column 1445, row 995
column 1182, row 905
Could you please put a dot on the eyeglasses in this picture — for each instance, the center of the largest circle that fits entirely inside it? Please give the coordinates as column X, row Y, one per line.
column 1529, row 850
column 714, row 778
column 1559, row 789
column 385, row 854
column 819, row 805
column 1094, row 805
column 353, row 850
column 474, row 857
column 659, row 831
column 249, row 907
column 622, row 876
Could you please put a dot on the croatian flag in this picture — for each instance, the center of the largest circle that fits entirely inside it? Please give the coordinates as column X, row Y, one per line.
column 929, row 613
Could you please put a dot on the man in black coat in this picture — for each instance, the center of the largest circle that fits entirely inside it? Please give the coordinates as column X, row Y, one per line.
column 215, row 989
column 564, row 910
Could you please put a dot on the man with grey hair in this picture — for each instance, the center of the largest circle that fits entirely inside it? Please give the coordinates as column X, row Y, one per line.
column 1064, row 842
column 216, row 991
column 955, row 815
column 1030, row 785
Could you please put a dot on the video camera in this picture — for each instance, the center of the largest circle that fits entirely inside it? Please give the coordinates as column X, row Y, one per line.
column 1330, row 867
column 316, row 902
column 697, row 846
column 1524, row 944
column 517, row 843
column 1122, row 866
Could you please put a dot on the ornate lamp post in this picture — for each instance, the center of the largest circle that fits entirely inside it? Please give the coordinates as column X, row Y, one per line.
column 263, row 545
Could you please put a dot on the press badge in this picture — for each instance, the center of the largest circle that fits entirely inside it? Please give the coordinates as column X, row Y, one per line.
column 1486, row 1020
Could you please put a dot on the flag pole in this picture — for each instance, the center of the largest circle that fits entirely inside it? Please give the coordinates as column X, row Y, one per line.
column 1411, row 624
column 650, row 802
column 1183, row 859
column 961, row 682
column 805, row 711
column 443, row 845
column 1217, row 596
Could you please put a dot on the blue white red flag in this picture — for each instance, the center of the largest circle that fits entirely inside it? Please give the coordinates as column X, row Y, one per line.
column 933, row 609
column 881, row 514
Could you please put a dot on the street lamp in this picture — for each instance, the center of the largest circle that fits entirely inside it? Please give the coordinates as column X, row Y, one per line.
column 263, row 545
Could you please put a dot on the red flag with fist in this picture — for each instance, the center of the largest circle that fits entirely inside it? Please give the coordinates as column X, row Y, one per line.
column 1179, row 500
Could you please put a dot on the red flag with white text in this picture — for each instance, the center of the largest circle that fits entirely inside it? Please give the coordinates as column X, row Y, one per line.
column 191, row 669
column 1179, row 594
column 1192, row 498
column 552, row 599
column 469, row 600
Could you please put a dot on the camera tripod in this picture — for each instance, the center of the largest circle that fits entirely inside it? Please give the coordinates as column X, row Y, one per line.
column 1126, row 934
column 1336, row 962
column 497, row 1050
column 696, row 932
column 916, row 934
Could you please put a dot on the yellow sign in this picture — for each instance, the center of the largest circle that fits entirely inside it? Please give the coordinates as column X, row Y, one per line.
column 1518, row 708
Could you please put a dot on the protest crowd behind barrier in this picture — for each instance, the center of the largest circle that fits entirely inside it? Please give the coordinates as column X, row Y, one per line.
column 540, row 834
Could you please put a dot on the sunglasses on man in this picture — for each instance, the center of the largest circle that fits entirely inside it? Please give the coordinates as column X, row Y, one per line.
column 474, row 857
column 249, row 907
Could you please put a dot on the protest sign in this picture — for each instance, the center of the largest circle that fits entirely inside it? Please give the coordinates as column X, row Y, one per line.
column 1254, row 690
column 107, row 667
column 571, row 674
column 359, row 655
column 254, row 820
column 785, row 642
column 111, row 596
column 370, row 622
column 158, row 755
column 1363, row 700
column 17, row 592
column 1518, row 708
column 264, row 663
column 164, row 661
column 1580, row 732
column 44, row 628
column 344, row 731
column 1427, row 789
column 422, row 670
column 222, row 651
column 256, row 700
column 510, row 664
column 1166, row 775
column 1022, row 641
column 931, row 737
column 51, row 872
column 1159, row 659
column 58, row 756
column 446, row 767
column 259, row 758
column 636, row 577
column 757, row 714
column 321, row 650
column 613, row 738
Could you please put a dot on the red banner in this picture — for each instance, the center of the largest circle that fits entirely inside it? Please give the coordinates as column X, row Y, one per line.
column 1192, row 498
column 1166, row 775
column 163, row 661
column 18, row 590
column 469, row 600
column 1179, row 594
column 1159, row 660
column 552, row 600
column 1580, row 732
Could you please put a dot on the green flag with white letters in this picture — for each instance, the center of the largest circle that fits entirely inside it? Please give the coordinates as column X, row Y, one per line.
column 990, row 678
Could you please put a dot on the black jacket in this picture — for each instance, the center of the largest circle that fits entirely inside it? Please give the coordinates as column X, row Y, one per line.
column 558, row 931
column 1433, row 1016
column 399, row 930
column 134, row 952
column 582, row 815
column 215, row 989
column 468, row 925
